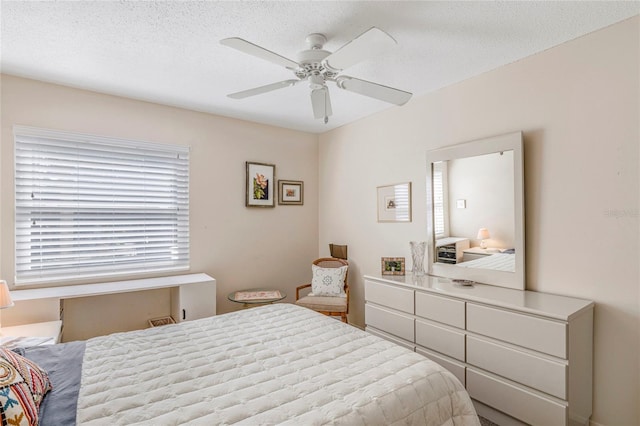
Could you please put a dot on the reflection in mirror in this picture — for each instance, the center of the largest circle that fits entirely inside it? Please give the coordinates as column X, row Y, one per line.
column 476, row 211
column 481, row 192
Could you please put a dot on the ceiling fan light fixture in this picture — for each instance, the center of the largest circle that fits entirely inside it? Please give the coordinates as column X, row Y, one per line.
column 321, row 104
column 316, row 81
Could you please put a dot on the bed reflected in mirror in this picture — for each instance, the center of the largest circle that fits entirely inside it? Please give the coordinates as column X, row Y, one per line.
column 476, row 223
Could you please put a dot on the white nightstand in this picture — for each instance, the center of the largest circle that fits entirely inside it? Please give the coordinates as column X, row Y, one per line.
column 474, row 253
column 41, row 333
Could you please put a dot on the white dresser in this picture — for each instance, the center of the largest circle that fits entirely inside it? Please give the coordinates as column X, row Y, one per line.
column 523, row 356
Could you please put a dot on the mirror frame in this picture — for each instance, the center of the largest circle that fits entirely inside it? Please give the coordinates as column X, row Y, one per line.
column 507, row 142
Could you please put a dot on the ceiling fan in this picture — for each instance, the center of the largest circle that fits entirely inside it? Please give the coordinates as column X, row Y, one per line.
column 318, row 66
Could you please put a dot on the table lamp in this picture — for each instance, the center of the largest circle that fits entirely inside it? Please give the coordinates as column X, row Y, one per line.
column 5, row 297
column 483, row 236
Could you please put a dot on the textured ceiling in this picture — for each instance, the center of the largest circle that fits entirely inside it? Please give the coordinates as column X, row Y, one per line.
column 169, row 52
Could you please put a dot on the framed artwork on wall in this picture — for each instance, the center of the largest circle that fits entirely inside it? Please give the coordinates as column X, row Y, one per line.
column 260, row 190
column 394, row 203
column 392, row 265
column 291, row 192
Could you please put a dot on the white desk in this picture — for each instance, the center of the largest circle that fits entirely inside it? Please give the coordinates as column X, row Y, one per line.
column 192, row 296
column 99, row 289
column 41, row 333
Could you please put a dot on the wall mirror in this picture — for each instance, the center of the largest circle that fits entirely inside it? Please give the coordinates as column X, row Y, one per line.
column 475, row 207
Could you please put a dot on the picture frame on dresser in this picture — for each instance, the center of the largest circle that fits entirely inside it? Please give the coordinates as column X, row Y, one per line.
column 392, row 265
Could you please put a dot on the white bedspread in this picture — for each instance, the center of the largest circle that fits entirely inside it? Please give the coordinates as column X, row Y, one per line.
column 498, row 262
column 277, row 364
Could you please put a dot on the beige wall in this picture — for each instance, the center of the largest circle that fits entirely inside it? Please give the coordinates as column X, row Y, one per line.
column 241, row 247
column 577, row 105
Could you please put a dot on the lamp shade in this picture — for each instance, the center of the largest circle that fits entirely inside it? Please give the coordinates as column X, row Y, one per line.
column 483, row 234
column 5, row 295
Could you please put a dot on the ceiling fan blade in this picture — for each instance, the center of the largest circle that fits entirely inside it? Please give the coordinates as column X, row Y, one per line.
column 259, row 52
column 263, row 89
column 321, row 103
column 369, row 44
column 373, row 90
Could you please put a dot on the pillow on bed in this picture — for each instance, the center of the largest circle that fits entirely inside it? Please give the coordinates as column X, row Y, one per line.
column 23, row 384
column 328, row 281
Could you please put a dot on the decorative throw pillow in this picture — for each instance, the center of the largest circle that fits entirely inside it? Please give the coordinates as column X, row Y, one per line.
column 328, row 281
column 23, row 384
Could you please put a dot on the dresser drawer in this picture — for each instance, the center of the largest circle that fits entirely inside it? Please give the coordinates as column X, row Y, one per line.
column 440, row 339
column 536, row 372
column 530, row 332
column 388, row 295
column 515, row 401
column 395, row 323
column 390, row 338
column 455, row 367
column 440, row 309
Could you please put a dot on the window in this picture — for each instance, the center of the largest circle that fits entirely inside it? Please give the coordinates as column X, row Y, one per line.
column 89, row 206
column 440, row 200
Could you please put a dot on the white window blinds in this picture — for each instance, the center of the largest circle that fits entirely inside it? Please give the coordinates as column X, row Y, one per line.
column 440, row 199
column 89, row 206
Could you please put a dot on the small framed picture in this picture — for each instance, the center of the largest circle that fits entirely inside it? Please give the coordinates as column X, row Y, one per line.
column 394, row 203
column 291, row 192
column 260, row 185
column 392, row 266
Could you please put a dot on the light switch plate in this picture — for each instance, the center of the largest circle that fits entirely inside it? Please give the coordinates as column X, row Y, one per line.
column 461, row 204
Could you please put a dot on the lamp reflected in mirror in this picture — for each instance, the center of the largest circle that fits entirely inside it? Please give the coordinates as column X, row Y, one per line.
column 483, row 236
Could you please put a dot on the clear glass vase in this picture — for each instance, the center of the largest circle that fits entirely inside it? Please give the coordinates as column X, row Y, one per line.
column 417, row 256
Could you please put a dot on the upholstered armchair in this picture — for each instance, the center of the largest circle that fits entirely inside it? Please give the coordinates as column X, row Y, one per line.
column 329, row 293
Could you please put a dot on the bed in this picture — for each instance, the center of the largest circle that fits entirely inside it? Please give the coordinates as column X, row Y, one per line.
column 497, row 262
column 276, row 364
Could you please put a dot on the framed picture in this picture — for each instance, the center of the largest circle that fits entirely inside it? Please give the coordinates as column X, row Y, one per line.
column 393, row 266
column 260, row 185
column 291, row 192
column 394, row 203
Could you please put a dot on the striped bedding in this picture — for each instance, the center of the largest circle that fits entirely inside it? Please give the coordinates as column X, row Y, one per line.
column 497, row 262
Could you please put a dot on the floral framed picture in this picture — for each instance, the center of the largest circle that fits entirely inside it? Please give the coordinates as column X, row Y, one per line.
column 392, row 265
column 260, row 185
column 291, row 192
